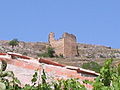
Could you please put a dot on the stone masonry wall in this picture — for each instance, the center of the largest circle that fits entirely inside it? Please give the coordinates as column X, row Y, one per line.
column 58, row 45
column 70, row 45
column 66, row 45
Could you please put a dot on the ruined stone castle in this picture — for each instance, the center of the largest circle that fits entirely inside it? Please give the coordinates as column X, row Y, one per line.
column 65, row 46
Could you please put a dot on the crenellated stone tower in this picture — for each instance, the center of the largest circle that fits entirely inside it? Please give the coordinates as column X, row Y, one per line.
column 66, row 45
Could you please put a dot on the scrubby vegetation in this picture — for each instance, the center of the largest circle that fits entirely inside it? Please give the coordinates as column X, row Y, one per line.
column 92, row 66
column 109, row 78
column 49, row 53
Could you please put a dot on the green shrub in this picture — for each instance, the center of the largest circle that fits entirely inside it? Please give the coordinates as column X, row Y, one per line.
column 49, row 53
column 61, row 56
column 5, row 83
column 25, row 53
column 109, row 78
column 14, row 42
column 69, row 84
column 92, row 66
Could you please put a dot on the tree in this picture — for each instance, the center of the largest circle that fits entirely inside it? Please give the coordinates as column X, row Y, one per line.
column 14, row 43
column 49, row 53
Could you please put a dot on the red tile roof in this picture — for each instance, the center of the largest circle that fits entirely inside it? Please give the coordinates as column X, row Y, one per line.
column 50, row 67
column 50, row 62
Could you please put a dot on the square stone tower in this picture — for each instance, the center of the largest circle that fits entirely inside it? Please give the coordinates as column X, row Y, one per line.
column 66, row 45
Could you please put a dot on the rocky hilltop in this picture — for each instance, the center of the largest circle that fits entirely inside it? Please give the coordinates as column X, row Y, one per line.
column 79, row 52
column 97, row 51
column 26, row 48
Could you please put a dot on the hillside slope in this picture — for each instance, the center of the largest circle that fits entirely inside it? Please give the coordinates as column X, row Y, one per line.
column 86, row 52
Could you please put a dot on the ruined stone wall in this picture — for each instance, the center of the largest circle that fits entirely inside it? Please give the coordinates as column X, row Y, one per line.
column 58, row 45
column 70, row 45
column 66, row 45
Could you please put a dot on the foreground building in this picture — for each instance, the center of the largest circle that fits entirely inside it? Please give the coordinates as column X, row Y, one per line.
column 24, row 67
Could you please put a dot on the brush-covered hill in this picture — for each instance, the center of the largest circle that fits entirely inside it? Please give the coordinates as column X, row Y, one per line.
column 86, row 52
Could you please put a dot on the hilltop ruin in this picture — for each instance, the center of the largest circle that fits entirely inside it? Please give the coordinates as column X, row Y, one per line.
column 65, row 46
